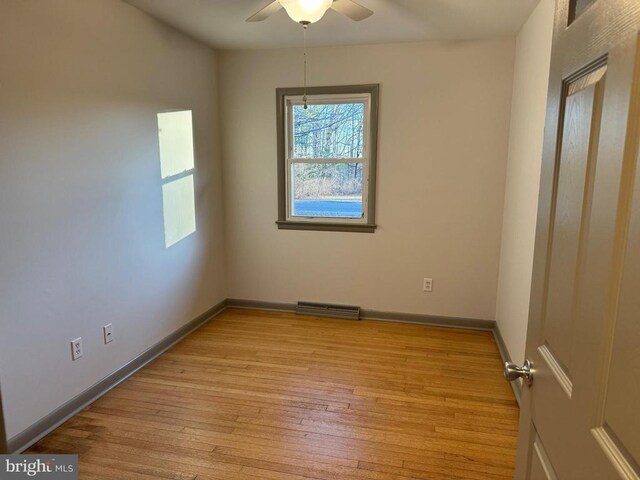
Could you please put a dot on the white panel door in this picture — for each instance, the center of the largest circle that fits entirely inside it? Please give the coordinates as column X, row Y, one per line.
column 581, row 415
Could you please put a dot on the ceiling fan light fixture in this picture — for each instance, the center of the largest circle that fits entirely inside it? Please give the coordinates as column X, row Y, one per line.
column 306, row 11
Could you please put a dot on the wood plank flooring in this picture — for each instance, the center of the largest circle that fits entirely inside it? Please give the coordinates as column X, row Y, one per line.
column 263, row 395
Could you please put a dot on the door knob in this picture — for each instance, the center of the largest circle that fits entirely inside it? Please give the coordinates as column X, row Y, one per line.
column 513, row 372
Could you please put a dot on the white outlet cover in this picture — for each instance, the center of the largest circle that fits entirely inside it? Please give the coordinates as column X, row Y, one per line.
column 76, row 348
column 427, row 284
column 108, row 333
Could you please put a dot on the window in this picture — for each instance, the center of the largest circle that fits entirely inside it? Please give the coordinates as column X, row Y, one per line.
column 327, row 158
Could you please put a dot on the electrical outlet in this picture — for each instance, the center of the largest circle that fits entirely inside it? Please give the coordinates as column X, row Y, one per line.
column 76, row 348
column 108, row 333
column 427, row 284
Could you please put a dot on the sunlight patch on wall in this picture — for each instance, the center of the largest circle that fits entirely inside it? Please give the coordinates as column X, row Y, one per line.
column 179, row 210
column 175, row 134
column 175, row 131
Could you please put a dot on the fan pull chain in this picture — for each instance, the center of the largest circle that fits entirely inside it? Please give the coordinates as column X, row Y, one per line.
column 304, row 96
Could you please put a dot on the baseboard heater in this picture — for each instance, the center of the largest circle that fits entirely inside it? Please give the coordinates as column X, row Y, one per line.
column 347, row 312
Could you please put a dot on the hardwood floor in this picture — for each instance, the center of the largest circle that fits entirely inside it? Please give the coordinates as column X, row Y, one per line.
column 262, row 395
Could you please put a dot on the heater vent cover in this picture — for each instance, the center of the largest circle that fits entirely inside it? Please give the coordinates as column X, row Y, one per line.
column 348, row 312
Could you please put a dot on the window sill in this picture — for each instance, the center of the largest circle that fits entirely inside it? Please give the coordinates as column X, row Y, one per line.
column 327, row 226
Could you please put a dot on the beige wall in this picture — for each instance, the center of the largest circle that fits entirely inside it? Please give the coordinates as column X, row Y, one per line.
column 444, row 123
column 82, row 241
column 81, row 196
column 533, row 51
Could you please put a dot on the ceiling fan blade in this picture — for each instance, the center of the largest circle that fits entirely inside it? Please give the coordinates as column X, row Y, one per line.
column 351, row 9
column 266, row 12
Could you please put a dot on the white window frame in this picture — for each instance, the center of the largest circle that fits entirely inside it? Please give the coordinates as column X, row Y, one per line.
column 328, row 99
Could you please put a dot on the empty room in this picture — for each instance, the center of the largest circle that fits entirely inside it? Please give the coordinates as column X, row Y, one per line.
column 320, row 239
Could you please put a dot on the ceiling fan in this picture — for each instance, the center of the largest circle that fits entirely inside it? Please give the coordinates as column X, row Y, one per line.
column 310, row 11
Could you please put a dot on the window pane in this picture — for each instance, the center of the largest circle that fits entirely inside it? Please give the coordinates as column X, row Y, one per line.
column 175, row 131
column 326, row 190
column 328, row 131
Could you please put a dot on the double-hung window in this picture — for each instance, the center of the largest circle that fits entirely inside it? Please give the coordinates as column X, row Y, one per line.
column 327, row 158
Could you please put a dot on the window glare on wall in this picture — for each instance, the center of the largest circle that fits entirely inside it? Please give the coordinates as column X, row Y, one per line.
column 175, row 135
column 175, row 131
column 179, row 210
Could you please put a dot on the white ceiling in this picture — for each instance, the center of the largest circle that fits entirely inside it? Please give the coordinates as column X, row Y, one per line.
column 221, row 23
